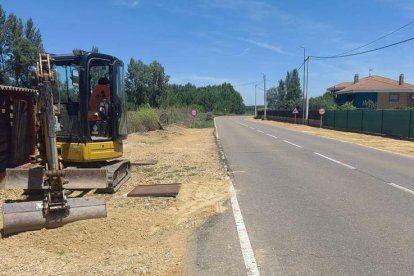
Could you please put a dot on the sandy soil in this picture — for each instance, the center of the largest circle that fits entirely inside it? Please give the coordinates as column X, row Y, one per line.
column 382, row 143
column 140, row 235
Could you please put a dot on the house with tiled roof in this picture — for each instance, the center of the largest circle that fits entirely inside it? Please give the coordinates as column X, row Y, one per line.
column 386, row 93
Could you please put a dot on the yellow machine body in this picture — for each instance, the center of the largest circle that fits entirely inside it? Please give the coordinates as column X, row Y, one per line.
column 89, row 152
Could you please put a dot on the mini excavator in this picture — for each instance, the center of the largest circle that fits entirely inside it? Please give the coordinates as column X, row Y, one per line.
column 80, row 125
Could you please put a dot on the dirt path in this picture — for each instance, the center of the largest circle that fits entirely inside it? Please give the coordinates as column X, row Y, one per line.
column 140, row 235
column 382, row 143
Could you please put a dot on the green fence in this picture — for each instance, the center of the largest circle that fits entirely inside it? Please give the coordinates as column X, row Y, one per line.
column 397, row 123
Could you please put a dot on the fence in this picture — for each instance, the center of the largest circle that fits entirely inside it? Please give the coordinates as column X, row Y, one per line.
column 288, row 116
column 17, row 126
column 396, row 123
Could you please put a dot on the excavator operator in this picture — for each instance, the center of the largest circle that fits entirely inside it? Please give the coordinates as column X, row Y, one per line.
column 99, row 102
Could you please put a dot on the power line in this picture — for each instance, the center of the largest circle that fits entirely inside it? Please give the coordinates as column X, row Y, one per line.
column 365, row 52
column 247, row 83
column 384, row 36
column 300, row 65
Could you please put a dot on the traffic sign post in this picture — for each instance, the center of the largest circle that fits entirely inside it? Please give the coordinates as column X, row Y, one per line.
column 321, row 112
column 295, row 112
column 194, row 114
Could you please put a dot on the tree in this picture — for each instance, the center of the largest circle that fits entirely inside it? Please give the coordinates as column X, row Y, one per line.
column 20, row 46
column 157, row 83
column 271, row 96
column 288, row 94
column 145, row 84
column 326, row 101
column 3, row 72
column 218, row 98
column 135, row 84
column 281, row 95
column 293, row 90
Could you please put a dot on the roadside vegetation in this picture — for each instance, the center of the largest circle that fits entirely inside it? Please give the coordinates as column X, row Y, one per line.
column 149, row 85
column 146, row 118
column 143, row 119
column 288, row 95
column 20, row 45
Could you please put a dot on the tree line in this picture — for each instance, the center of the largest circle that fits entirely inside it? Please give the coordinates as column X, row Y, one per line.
column 149, row 85
column 20, row 45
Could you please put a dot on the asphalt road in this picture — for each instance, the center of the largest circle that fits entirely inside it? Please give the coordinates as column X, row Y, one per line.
column 311, row 206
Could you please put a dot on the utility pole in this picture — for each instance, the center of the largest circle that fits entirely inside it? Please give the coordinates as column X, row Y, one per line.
column 307, row 90
column 264, row 92
column 303, row 81
column 255, row 102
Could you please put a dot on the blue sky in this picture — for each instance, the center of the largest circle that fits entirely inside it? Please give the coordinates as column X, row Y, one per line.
column 213, row 41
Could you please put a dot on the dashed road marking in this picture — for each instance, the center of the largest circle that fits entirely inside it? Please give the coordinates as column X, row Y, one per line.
column 293, row 144
column 401, row 188
column 260, row 131
column 271, row 135
column 336, row 161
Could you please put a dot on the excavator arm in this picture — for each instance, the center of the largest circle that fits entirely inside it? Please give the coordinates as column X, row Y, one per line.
column 56, row 209
column 55, row 198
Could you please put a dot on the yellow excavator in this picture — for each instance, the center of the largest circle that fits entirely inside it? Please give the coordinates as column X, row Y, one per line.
column 80, row 125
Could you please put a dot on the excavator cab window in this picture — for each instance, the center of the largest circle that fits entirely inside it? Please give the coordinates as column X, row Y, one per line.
column 107, row 101
column 120, row 118
column 66, row 99
column 100, row 100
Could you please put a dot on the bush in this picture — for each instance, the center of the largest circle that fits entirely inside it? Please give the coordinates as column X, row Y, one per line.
column 345, row 106
column 183, row 116
column 370, row 104
column 144, row 119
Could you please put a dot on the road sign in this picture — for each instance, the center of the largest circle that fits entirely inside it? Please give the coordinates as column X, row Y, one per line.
column 295, row 111
column 321, row 111
column 194, row 112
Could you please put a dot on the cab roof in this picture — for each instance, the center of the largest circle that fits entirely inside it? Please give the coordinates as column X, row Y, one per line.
column 81, row 56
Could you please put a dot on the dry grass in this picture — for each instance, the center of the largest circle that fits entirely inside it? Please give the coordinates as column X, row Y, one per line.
column 140, row 235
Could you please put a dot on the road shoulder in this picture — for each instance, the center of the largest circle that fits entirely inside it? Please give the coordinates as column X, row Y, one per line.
column 396, row 146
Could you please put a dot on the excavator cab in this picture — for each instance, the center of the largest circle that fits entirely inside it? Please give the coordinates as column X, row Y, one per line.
column 90, row 100
column 80, row 125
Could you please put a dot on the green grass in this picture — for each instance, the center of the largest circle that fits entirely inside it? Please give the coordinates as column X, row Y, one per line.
column 144, row 119
column 183, row 116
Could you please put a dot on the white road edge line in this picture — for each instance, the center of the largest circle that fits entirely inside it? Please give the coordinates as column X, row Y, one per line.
column 245, row 245
column 336, row 161
column 293, row 144
column 271, row 135
column 401, row 188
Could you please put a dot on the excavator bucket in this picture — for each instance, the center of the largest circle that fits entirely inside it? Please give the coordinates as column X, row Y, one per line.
column 28, row 216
